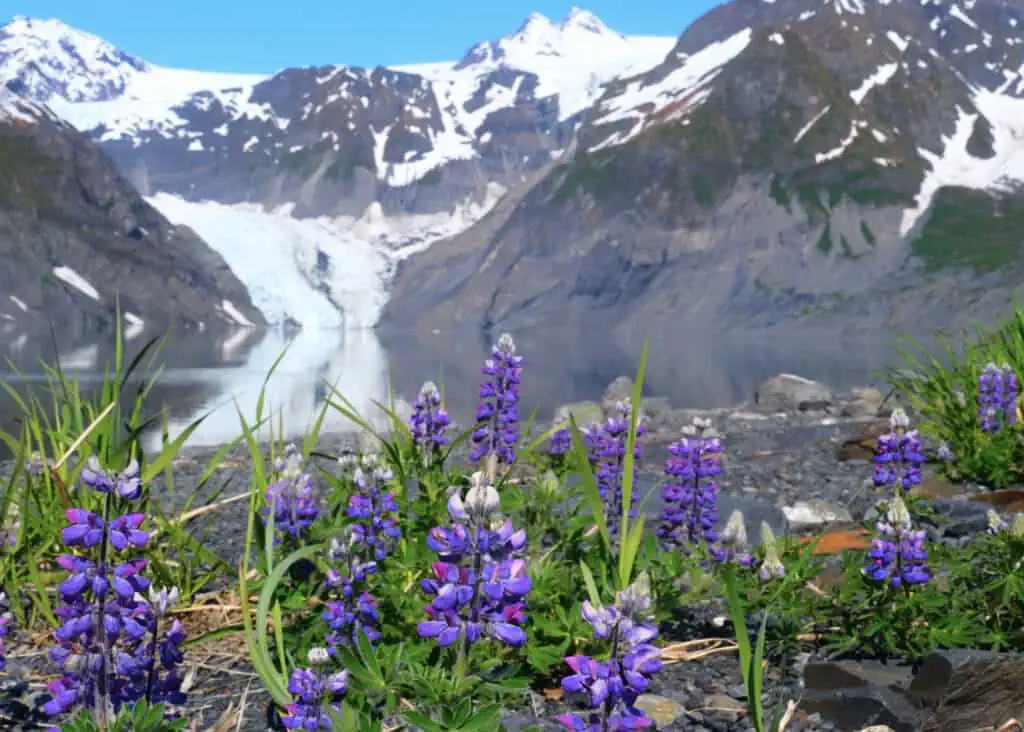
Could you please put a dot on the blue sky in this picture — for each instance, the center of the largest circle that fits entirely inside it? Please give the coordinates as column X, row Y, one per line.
column 261, row 36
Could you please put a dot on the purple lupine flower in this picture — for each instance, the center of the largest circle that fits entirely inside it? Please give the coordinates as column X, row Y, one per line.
column 609, row 446
column 125, row 484
column 996, row 523
column 6, row 618
column 733, row 545
column 497, row 415
column 292, row 498
column 561, row 442
column 899, row 456
column 479, row 587
column 313, row 693
column 771, row 566
column 104, row 617
column 429, row 420
column 997, row 397
column 611, row 687
column 355, row 554
column 375, row 511
column 898, row 555
column 691, row 494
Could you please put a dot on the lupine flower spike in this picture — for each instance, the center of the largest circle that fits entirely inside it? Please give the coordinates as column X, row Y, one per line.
column 291, row 498
column 480, row 584
column 733, row 545
column 899, row 456
column 690, row 495
column 997, row 397
column 6, row 618
column 497, row 414
column 771, row 566
column 898, row 556
column 610, row 448
column 610, row 688
column 107, row 641
column 314, row 692
column 429, row 420
column 356, row 554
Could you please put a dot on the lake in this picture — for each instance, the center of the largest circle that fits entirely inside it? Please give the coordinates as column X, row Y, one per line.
column 203, row 374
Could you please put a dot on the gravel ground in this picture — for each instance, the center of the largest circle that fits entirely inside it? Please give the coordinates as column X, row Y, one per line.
column 771, row 462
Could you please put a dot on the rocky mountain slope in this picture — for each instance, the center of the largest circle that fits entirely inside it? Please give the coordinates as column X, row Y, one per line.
column 375, row 163
column 76, row 239
column 853, row 160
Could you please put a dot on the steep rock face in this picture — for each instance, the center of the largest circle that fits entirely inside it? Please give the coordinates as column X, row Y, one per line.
column 846, row 159
column 75, row 237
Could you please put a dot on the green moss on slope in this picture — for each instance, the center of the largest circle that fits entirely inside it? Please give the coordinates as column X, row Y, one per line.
column 968, row 228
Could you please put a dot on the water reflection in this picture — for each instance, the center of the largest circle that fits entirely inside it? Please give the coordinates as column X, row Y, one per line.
column 217, row 376
column 691, row 368
column 314, row 362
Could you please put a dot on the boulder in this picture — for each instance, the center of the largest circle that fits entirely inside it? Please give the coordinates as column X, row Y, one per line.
column 865, row 402
column 792, row 393
column 969, row 690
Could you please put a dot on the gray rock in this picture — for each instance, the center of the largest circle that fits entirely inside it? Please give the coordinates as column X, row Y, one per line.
column 815, row 513
column 865, row 402
column 620, row 390
column 585, row 413
column 787, row 392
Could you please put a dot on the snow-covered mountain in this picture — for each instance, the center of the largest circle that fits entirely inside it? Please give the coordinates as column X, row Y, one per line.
column 854, row 160
column 333, row 172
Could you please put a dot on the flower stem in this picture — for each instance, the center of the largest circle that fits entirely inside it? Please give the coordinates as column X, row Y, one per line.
column 102, row 690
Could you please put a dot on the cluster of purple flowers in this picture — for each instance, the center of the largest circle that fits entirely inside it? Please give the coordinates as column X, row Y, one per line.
column 291, row 497
column 691, row 494
column 429, row 420
column 608, row 444
column 108, row 643
column 480, row 585
column 497, row 414
column 898, row 555
column 611, row 687
column 364, row 543
column 314, row 692
column 899, row 457
column 997, row 397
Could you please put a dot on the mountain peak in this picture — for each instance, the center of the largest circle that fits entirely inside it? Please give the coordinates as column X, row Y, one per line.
column 48, row 59
column 584, row 20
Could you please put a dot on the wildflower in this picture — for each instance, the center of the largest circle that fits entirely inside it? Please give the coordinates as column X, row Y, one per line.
column 771, row 566
column 291, row 498
column 997, row 397
column 480, row 584
column 610, row 688
column 429, row 419
column 690, row 495
column 945, row 453
column 898, row 555
column 313, row 693
column 497, row 414
column 6, row 618
column 561, row 442
column 733, row 545
column 996, row 524
column 608, row 445
column 899, row 457
column 107, row 643
column 367, row 541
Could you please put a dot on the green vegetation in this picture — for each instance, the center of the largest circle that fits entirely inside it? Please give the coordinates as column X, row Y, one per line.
column 824, row 244
column 969, row 228
column 869, row 235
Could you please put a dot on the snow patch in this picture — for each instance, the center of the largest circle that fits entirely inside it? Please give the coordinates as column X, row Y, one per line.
column 70, row 277
column 840, row 149
column 806, row 128
column 638, row 102
column 955, row 166
column 959, row 14
column 19, row 302
column 235, row 314
column 899, row 41
column 880, row 77
column 136, row 326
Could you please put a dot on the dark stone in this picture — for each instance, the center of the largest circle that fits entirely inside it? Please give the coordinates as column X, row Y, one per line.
column 969, row 690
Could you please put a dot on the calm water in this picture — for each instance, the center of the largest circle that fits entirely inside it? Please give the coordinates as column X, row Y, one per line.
column 206, row 375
